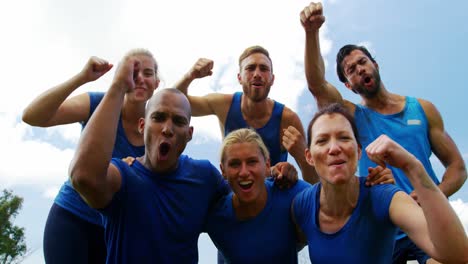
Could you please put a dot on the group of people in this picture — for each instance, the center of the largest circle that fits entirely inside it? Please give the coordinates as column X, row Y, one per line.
column 152, row 208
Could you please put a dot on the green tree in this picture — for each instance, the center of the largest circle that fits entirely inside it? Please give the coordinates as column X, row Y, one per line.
column 12, row 245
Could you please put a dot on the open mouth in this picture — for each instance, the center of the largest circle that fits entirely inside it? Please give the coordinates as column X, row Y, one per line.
column 245, row 185
column 257, row 84
column 367, row 80
column 164, row 150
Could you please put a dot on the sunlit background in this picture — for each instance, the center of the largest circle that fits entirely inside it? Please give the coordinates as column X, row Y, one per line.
column 420, row 47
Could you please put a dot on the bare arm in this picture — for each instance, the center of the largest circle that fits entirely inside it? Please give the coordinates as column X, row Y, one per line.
column 90, row 170
column 294, row 140
column 53, row 108
column 434, row 227
column 325, row 93
column 211, row 104
column 446, row 150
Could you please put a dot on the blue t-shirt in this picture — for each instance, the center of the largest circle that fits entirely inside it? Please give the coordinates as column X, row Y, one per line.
column 68, row 198
column 270, row 237
column 270, row 133
column 367, row 236
column 157, row 218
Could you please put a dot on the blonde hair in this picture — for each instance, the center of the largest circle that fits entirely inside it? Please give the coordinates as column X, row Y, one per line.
column 244, row 135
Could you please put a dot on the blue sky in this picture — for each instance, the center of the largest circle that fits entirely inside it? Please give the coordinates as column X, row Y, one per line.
column 419, row 45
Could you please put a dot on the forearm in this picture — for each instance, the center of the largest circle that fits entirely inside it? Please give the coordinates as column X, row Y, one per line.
column 183, row 84
column 453, row 179
column 41, row 109
column 442, row 221
column 308, row 172
column 88, row 169
column 313, row 62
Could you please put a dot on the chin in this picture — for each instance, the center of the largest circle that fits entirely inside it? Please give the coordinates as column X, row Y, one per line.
column 246, row 199
column 338, row 180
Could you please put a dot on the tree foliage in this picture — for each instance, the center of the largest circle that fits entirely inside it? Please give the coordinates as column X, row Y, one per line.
column 12, row 244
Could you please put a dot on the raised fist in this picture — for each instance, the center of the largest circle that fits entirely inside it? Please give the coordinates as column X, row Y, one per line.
column 312, row 17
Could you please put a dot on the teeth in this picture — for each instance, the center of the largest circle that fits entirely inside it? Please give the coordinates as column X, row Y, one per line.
column 244, row 183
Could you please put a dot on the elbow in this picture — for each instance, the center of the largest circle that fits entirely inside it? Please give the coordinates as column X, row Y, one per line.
column 462, row 174
column 86, row 187
column 79, row 180
column 28, row 118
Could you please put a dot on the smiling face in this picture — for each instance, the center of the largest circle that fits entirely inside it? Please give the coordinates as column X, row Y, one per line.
column 256, row 76
column 333, row 150
column 245, row 168
column 362, row 74
column 166, row 129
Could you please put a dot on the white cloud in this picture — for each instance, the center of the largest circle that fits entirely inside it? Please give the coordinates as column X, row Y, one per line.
column 461, row 208
column 29, row 162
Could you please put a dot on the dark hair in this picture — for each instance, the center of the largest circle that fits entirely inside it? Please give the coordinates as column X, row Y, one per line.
column 345, row 51
column 331, row 109
column 252, row 50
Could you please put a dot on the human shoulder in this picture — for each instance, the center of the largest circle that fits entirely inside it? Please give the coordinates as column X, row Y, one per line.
column 432, row 114
column 350, row 106
column 202, row 167
column 290, row 118
column 428, row 107
column 381, row 196
column 308, row 192
column 219, row 104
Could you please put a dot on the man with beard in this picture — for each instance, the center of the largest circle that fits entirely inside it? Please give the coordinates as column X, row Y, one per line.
column 252, row 108
column 414, row 123
column 154, row 209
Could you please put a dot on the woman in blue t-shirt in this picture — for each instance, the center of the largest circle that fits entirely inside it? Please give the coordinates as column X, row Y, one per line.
column 74, row 231
column 252, row 224
column 346, row 222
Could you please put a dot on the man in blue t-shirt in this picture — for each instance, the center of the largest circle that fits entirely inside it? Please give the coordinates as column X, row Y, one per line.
column 154, row 209
column 414, row 123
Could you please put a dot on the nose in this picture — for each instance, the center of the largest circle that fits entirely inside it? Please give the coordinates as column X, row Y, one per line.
column 244, row 172
column 257, row 72
column 167, row 129
column 139, row 77
column 334, row 148
column 360, row 69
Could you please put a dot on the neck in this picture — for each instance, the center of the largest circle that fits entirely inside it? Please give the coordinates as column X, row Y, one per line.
column 339, row 201
column 385, row 102
column 152, row 164
column 133, row 111
column 252, row 109
column 246, row 211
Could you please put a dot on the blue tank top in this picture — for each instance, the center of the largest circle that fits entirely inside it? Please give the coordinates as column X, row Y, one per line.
column 68, row 198
column 270, row 133
column 409, row 128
